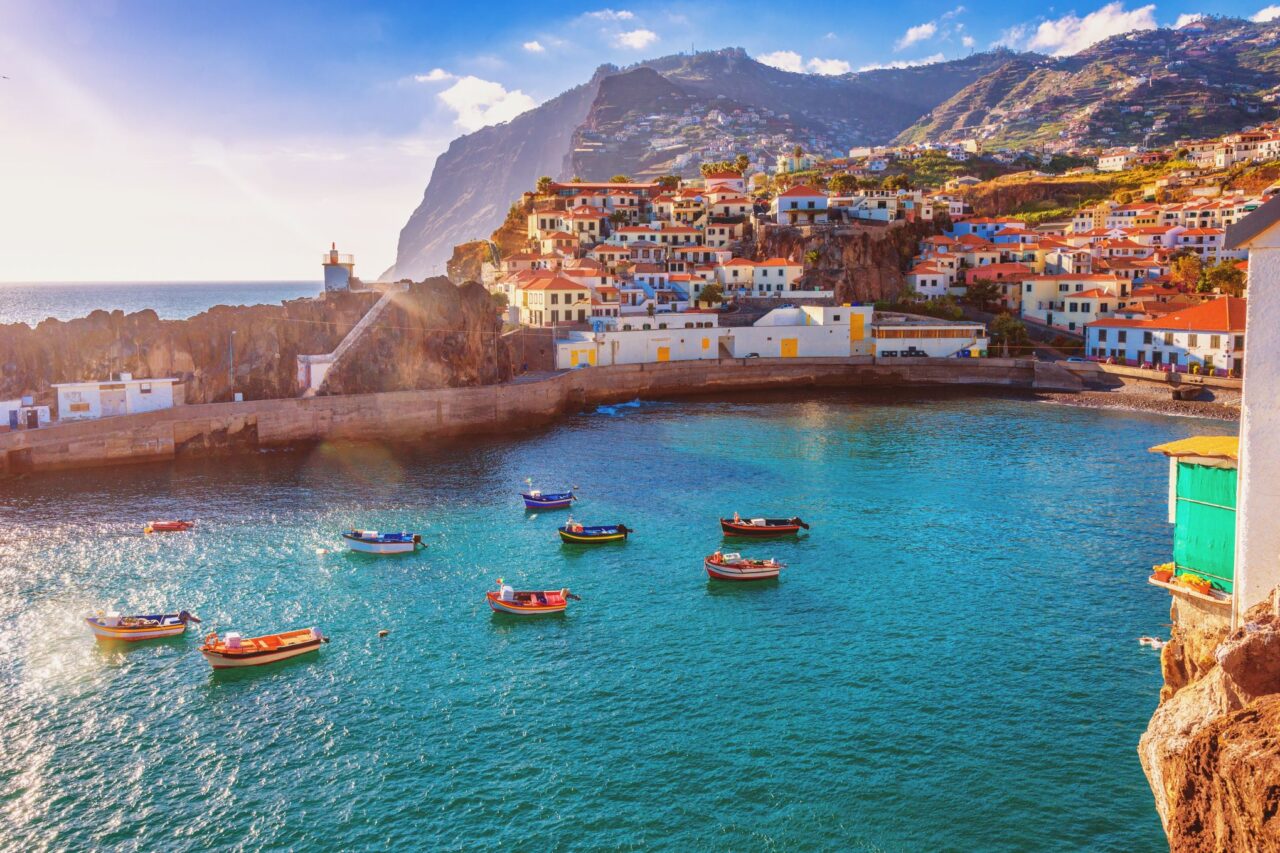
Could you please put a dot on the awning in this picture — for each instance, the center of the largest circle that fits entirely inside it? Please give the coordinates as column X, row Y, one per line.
column 1226, row 447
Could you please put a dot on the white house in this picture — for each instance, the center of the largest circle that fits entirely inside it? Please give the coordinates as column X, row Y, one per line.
column 800, row 205
column 79, row 401
column 643, row 340
column 1208, row 337
column 811, row 331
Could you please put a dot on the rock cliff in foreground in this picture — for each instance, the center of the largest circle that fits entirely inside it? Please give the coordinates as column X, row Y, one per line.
column 445, row 330
column 1212, row 749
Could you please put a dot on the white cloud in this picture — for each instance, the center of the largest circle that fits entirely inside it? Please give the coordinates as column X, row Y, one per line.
column 967, row 41
column 1072, row 34
column 918, row 33
column 1266, row 13
column 478, row 103
column 1189, row 18
column 534, row 47
column 635, row 39
column 611, row 15
column 435, row 75
column 787, row 60
column 828, row 66
column 905, row 63
column 830, row 37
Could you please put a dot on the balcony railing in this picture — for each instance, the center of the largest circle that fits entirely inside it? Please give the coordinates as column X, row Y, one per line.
column 337, row 258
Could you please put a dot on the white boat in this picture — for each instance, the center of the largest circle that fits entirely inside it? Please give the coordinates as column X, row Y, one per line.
column 232, row 650
column 113, row 626
column 373, row 542
column 733, row 567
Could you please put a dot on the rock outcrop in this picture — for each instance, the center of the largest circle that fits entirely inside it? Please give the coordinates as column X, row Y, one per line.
column 1212, row 749
column 861, row 263
column 434, row 335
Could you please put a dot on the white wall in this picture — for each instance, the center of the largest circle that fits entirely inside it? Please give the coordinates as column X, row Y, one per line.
column 136, row 401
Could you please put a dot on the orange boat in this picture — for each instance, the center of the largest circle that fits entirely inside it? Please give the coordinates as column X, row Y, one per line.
column 232, row 650
column 519, row 602
column 173, row 525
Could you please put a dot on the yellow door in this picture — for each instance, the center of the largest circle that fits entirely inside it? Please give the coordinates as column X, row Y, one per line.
column 591, row 357
column 856, row 331
column 573, row 358
column 706, row 343
column 789, row 346
column 664, row 353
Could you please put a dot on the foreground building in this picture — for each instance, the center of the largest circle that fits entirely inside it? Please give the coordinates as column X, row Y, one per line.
column 1206, row 338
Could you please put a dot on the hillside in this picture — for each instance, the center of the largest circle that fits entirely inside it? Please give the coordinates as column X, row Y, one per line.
column 1155, row 86
column 607, row 126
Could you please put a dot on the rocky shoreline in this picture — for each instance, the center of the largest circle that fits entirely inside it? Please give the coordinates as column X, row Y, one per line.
column 1225, row 406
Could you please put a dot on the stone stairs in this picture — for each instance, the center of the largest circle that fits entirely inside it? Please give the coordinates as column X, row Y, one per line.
column 329, row 360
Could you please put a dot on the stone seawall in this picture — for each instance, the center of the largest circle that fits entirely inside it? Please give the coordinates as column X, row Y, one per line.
column 215, row 428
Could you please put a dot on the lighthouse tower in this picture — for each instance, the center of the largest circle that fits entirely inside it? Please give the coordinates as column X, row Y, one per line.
column 338, row 269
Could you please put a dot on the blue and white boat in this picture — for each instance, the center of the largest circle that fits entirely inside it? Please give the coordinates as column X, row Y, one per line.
column 535, row 499
column 374, row 542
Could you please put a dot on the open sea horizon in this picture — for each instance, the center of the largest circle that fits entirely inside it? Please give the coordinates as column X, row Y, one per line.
column 34, row 302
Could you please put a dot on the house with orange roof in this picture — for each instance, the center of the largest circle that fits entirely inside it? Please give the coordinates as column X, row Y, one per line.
column 800, row 205
column 558, row 242
column 1204, row 338
column 1068, row 302
column 727, row 181
column 551, row 299
column 929, row 281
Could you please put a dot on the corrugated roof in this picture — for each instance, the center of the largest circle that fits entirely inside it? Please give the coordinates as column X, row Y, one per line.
column 1205, row 446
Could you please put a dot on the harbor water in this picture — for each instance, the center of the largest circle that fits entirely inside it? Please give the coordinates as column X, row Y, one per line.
column 949, row 661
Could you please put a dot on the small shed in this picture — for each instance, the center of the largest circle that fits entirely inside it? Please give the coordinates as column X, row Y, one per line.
column 1202, row 507
column 122, row 395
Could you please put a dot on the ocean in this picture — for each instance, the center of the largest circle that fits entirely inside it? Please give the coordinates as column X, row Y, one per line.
column 949, row 661
column 33, row 302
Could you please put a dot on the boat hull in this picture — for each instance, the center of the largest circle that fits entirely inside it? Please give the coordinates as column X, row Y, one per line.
column 758, row 531
column 380, row 547
column 588, row 537
column 133, row 635
column 561, row 500
column 497, row 605
column 729, row 572
column 228, row 660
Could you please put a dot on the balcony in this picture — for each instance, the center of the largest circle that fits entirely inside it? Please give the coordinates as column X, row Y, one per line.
column 337, row 258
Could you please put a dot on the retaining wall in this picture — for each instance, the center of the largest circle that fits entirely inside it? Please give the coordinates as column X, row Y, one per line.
column 214, row 428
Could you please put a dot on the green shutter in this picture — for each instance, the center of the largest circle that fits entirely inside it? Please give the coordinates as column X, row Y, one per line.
column 1204, row 535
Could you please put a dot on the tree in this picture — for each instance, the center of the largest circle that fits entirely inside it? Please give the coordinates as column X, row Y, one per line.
column 797, row 152
column 842, row 183
column 620, row 179
column 812, row 257
column 499, row 299
column 712, row 293
column 982, row 292
column 1009, row 332
column 1224, row 277
column 740, row 163
column 544, row 185
column 618, row 217
column 576, row 179
column 1185, row 270
column 896, row 182
column 669, row 182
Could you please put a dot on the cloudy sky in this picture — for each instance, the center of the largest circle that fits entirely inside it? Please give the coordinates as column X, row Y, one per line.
column 154, row 140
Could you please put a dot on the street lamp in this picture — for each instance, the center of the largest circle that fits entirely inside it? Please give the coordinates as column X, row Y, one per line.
column 231, row 358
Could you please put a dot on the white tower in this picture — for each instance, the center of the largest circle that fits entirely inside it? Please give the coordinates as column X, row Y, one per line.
column 338, row 269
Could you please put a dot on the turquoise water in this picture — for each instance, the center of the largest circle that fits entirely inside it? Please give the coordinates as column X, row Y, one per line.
column 949, row 662
column 32, row 302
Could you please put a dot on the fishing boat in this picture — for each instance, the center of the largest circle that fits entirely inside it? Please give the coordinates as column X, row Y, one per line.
column 762, row 526
column 536, row 499
column 373, row 542
column 735, row 567
column 520, row 602
column 113, row 626
column 232, row 650
column 593, row 534
column 172, row 525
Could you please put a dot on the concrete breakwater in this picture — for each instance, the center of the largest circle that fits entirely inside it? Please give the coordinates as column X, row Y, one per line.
column 215, row 428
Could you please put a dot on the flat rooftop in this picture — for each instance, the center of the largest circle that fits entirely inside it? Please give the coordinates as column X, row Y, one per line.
column 899, row 319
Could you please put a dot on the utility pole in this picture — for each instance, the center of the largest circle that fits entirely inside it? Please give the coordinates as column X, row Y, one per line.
column 231, row 359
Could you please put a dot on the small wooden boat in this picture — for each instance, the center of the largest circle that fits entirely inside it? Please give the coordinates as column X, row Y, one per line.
column 535, row 499
column 173, row 525
column 762, row 526
column 231, row 650
column 735, row 567
column 113, row 626
column 519, row 602
column 593, row 534
column 373, row 542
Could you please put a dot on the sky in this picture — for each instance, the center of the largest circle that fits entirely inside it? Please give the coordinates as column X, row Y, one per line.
column 151, row 140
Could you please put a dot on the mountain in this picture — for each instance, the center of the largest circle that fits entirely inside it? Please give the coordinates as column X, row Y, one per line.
column 1154, row 86
column 606, row 126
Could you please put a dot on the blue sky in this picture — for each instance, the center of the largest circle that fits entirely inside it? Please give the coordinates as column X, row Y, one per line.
column 209, row 140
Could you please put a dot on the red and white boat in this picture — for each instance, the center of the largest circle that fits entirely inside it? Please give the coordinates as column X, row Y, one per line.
column 130, row 629
column 735, row 567
column 521, row 602
column 231, row 650
column 172, row 525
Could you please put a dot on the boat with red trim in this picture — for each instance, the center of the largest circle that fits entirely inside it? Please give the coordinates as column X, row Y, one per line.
column 172, row 525
column 760, row 527
column 522, row 602
column 735, row 567
column 130, row 629
column 232, row 650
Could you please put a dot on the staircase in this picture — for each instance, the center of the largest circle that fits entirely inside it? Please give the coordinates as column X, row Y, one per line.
column 316, row 367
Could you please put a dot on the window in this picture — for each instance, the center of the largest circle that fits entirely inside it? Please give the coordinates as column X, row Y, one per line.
column 1192, row 339
column 79, row 407
column 1146, row 338
column 1122, row 336
column 1239, row 342
column 1168, row 339
column 1215, row 341
column 555, row 299
column 1102, row 335
column 144, row 388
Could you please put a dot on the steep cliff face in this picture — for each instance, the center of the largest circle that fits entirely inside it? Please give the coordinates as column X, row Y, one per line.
column 1002, row 195
column 473, row 182
column 199, row 350
column 435, row 335
column 861, row 263
column 1212, row 749
column 467, row 261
